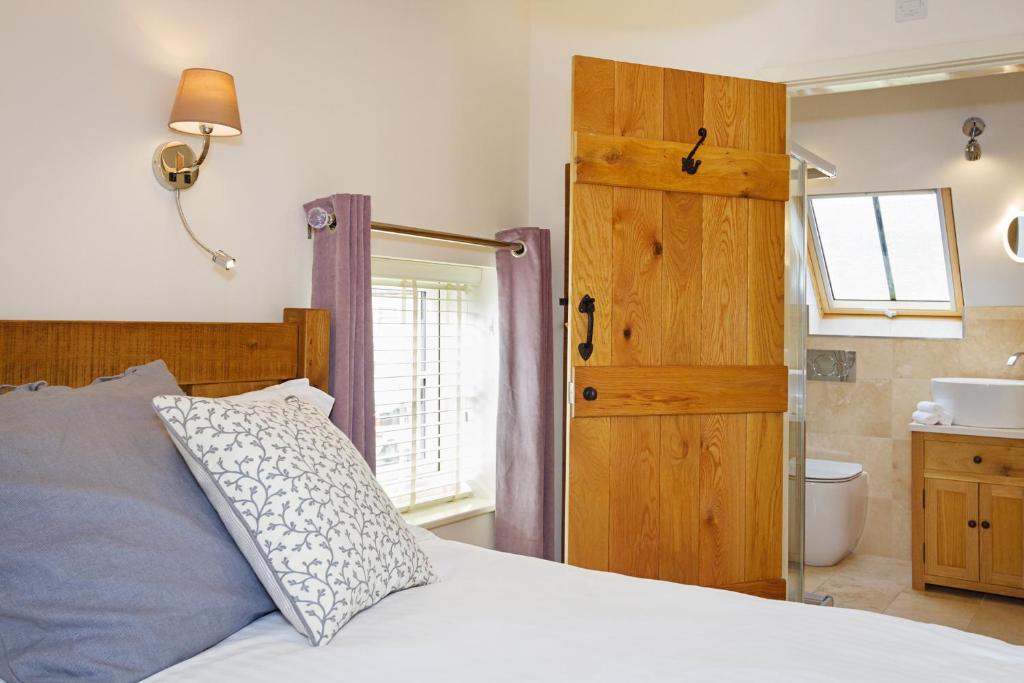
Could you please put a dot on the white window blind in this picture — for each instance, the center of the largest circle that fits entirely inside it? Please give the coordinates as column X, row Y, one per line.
column 425, row 408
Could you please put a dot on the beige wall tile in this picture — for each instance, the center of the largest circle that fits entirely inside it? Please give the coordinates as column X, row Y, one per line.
column 994, row 313
column 925, row 358
column 987, row 346
column 901, row 471
column 859, row 408
column 906, row 393
column 900, row 545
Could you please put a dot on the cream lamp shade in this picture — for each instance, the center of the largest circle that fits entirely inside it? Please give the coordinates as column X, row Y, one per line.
column 206, row 97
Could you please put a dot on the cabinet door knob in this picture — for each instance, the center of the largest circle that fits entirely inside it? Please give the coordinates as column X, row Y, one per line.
column 977, row 460
column 971, row 523
column 985, row 525
column 589, row 394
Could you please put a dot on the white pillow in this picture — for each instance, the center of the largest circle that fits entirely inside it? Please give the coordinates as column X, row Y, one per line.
column 299, row 388
column 301, row 503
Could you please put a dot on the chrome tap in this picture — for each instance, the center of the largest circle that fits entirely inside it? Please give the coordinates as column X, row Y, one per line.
column 1012, row 360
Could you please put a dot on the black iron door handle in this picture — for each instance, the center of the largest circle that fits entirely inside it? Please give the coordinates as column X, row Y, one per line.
column 587, row 306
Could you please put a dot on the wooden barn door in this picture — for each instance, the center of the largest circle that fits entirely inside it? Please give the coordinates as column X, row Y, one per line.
column 675, row 428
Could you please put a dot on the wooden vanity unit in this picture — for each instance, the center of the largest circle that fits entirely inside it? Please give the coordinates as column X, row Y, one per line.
column 968, row 510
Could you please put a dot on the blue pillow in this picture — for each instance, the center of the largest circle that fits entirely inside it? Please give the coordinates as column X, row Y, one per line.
column 113, row 564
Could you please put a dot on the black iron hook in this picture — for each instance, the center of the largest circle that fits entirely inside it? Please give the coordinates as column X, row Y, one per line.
column 690, row 165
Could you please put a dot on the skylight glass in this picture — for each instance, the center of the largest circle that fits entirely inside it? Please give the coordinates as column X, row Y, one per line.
column 884, row 251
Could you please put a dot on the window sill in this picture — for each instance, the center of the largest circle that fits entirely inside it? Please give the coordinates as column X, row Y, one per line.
column 441, row 514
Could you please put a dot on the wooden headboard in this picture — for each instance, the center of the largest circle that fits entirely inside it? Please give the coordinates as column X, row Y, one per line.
column 208, row 359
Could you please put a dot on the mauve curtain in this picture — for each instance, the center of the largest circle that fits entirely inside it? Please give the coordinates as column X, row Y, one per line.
column 525, row 505
column 341, row 284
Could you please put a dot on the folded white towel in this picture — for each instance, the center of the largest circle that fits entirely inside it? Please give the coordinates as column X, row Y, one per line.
column 924, row 418
column 930, row 407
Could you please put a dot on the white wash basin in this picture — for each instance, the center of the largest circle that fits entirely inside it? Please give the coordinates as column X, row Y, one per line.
column 976, row 402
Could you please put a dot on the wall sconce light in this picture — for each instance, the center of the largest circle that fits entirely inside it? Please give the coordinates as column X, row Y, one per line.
column 1014, row 241
column 205, row 105
column 973, row 127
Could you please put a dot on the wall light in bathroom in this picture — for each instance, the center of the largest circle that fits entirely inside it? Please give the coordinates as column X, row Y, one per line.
column 1014, row 241
column 973, row 127
column 206, row 105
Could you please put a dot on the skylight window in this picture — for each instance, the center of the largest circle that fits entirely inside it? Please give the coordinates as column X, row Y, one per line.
column 886, row 253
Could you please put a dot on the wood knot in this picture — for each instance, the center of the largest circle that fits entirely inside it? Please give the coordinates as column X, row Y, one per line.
column 627, row 333
column 612, row 157
column 658, row 248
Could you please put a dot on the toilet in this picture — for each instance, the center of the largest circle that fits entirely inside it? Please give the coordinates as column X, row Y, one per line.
column 836, row 509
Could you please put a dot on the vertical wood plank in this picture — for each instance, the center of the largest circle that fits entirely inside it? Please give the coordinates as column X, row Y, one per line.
column 636, row 261
column 593, row 95
column 724, row 321
column 684, row 105
column 682, row 228
column 634, row 480
column 767, row 117
column 722, row 491
column 588, row 505
column 591, row 266
column 766, row 233
column 724, row 281
column 314, row 347
column 681, row 291
column 639, row 100
column 727, row 111
column 679, row 520
column 765, row 281
column 590, row 243
column 763, row 500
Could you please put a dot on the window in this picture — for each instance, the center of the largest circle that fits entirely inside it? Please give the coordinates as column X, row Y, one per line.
column 431, row 333
column 885, row 253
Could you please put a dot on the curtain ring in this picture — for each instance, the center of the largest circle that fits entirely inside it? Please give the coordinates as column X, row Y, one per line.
column 517, row 253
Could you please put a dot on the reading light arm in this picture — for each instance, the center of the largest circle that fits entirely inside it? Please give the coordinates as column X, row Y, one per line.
column 219, row 257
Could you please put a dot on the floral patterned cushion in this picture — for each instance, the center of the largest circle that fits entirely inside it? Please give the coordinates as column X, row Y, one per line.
column 302, row 505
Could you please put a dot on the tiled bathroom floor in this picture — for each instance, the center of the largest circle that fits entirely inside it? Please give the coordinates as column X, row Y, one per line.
column 883, row 584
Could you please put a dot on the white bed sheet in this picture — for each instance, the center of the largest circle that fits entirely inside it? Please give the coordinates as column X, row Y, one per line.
column 498, row 617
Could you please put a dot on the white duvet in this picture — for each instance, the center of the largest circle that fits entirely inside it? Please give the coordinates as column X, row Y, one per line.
column 499, row 617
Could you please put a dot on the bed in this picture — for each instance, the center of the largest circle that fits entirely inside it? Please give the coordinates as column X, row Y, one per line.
column 495, row 616
column 500, row 617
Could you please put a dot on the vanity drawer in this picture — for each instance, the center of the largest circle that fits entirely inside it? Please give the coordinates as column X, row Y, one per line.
column 971, row 458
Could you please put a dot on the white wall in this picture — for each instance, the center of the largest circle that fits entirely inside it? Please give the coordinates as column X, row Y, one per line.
column 421, row 105
column 910, row 138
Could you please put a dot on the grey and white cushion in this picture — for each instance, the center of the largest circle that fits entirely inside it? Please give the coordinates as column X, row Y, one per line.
column 302, row 505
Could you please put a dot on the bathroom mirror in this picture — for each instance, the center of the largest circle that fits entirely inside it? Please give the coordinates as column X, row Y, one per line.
column 1014, row 241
